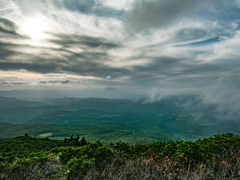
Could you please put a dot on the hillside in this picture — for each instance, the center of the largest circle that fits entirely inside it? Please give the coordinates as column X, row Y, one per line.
column 171, row 118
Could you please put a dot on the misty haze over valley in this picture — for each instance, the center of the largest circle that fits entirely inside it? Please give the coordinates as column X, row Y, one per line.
column 144, row 70
column 133, row 120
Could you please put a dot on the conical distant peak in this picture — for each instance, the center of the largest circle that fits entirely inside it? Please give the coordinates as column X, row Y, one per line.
column 110, row 89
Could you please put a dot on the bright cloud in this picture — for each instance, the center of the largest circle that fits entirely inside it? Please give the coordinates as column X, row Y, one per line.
column 35, row 28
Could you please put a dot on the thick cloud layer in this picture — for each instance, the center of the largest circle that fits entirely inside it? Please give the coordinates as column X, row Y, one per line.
column 169, row 47
column 7, row 26
column 159, row 14
column 152, row 14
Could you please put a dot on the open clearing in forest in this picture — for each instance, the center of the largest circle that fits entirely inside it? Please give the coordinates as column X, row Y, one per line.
column 45, row 135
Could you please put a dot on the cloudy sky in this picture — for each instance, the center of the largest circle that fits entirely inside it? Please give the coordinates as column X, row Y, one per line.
column 145, row 46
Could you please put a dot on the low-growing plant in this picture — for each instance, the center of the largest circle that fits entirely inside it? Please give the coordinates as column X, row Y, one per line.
column 216, row 157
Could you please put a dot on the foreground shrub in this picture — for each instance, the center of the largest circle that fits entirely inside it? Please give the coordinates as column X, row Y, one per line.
column 216, row 157
column 228, row 167
column 51, row 169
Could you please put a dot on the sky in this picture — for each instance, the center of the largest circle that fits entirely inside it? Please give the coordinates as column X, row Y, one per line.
column 151, row 47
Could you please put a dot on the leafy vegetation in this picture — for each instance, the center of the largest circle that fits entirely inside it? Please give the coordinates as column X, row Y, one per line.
column 26, row 157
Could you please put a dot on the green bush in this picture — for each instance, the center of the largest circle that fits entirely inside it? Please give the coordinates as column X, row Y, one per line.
column 41, row 158
column 78, row 167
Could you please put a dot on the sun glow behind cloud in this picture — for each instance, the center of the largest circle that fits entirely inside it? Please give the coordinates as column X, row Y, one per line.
column 35, row 28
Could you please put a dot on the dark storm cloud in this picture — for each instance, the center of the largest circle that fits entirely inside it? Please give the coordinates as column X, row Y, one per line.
column 83, row 41
column 82, row 66
column 157, row 14
column 182, row 72
column 35, row 67
column 158, row 65
column 20, row 82
column 96, row 69
column 213, row 69
column 92, row 60
column 8, row 31
column 13, row 57
column 57, row 82
column 12, row 83
column 158, row 69
column 7, row 27
column 153, row 14
column 6, row 50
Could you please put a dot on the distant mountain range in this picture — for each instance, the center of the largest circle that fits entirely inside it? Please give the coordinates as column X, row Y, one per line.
column 14, row 102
